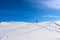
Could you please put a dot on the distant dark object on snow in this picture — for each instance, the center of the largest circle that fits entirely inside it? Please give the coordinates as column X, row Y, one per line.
column 36, row 21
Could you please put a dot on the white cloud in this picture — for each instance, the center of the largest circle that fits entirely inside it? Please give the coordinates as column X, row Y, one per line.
column 54, row 4
column 51, row 16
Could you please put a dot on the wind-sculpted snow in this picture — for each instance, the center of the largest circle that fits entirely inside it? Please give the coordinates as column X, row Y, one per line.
column 29, row 31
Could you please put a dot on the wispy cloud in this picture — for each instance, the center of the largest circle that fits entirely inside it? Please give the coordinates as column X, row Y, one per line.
column 54, row 4
column 51, row 16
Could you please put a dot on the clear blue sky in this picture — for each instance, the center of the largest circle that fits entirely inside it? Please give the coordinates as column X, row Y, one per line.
column 29, row 10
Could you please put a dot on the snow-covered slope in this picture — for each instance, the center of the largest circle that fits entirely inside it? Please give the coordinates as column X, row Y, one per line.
column 29, row 31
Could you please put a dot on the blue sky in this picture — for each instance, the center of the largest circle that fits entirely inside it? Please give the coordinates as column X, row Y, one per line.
column 29, row 10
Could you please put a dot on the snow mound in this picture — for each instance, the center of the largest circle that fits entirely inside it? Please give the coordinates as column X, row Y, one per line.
column 29, row 31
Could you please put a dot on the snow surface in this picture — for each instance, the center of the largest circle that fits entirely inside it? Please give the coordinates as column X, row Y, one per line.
column 29, row 31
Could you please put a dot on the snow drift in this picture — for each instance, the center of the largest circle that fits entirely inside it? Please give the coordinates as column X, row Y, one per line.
column 29, row 31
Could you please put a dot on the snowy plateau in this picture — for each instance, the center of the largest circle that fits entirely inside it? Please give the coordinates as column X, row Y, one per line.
column 30, row 31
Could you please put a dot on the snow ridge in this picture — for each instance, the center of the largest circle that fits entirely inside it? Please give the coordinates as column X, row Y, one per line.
column 10, row 30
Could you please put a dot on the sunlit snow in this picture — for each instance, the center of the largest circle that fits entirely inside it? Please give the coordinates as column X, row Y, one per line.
column 29, row 31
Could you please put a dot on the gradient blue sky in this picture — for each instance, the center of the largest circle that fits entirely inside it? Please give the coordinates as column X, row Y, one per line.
column 29, row 10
